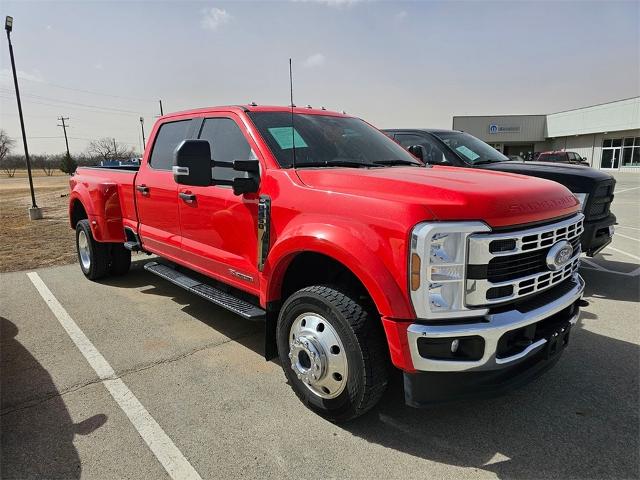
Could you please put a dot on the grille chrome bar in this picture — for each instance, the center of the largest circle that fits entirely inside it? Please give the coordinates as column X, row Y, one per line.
column 482, row 292
column 476, row 291
column 527, row 240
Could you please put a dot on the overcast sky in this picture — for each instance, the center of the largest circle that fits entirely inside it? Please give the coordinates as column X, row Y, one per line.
column 396, row 64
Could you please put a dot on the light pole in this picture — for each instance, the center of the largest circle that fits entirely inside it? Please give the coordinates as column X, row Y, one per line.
column 144, row 142
column 35, row 212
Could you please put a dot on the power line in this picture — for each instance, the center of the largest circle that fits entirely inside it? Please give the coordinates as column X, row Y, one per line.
column 49, row 99
column 78, row 107
column 90, row 92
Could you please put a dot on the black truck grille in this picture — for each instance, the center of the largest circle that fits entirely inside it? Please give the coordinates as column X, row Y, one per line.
column 599, row 203
column 501, row 269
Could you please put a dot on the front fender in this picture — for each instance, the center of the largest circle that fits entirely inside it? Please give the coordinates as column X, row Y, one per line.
column 358, row 247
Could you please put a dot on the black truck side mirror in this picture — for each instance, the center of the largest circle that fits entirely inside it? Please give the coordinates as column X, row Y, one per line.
column 246, row 185
column 192, row 163
column 192, row 166
column 417, row 151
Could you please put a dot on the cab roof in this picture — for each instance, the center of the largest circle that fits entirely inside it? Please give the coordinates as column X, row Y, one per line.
column 308, row 110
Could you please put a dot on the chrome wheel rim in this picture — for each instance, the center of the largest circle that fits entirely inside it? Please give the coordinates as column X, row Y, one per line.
column 83, row 250
column 317, row 355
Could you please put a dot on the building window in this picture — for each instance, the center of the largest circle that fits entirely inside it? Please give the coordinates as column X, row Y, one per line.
column 631, row 152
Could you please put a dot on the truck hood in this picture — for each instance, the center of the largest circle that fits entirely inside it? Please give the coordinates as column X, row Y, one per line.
column 578, row 179
column 450, row 193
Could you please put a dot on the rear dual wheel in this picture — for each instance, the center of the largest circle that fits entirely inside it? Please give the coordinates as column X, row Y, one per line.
column 98, row 259
column 332, row 350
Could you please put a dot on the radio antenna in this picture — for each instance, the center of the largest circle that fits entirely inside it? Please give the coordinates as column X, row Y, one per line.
column 293, row 131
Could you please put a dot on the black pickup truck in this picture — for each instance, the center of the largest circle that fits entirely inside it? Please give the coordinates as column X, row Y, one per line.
column 593, row 188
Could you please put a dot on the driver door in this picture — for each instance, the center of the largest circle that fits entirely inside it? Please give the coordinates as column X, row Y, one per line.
column 219, row 229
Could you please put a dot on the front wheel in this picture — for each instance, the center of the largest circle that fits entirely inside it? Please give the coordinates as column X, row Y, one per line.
column 332, row 350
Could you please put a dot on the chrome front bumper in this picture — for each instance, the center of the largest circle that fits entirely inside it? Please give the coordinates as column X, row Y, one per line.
column 491, row 328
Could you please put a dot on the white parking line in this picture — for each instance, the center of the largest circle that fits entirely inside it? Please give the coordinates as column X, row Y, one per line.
column 623, row 252
column 623, row 226
column 600, row 268
column 626, row 190
column 625, row 236
column 176, row 465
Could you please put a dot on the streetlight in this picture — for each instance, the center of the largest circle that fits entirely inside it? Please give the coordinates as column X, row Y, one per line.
column 35, row 212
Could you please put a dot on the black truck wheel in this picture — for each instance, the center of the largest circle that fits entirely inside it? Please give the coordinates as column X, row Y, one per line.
column 333, row 353
column 94, row 257
column 120, row 259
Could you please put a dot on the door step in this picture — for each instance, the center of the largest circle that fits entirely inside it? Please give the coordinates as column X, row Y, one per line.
column 214, row 295
column 133, row 246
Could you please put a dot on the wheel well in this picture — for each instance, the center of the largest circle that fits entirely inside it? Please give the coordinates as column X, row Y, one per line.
column 77, row 213
column 311, row 268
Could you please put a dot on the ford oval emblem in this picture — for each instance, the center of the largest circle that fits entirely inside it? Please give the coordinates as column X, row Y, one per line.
column 559, row 255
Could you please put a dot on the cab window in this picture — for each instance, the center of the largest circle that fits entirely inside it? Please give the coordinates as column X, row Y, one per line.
column 227, row 144
column 167, row 139
column 433, row 154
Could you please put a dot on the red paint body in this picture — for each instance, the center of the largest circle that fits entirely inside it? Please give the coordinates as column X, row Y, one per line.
column 360, row 217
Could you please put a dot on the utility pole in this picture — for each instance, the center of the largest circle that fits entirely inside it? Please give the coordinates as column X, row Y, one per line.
column 115, row 149
column 161, row 112
column 35, row 212
column 144, row 142
column 64, row 129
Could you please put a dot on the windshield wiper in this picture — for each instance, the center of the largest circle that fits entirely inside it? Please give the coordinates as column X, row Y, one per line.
column 336, row 163
column 397, row 161
column 490, row 160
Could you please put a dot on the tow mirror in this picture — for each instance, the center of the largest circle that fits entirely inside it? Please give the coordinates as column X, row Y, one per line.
column 192, row 163
column 250, row 184
column 417, row 151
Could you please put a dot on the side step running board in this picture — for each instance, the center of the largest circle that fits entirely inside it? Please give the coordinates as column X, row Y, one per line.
column 214, row 295
column 133, row 246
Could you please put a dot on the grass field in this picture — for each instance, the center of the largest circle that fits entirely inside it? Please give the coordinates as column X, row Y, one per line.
column 26, row 244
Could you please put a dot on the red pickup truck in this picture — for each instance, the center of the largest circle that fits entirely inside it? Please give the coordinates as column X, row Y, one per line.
column 355, row 256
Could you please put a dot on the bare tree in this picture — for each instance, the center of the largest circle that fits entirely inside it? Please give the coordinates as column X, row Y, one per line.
column 108, row 149
column 47, row 163
column 6, row 144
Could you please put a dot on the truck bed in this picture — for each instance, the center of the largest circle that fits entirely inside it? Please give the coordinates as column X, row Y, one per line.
column 107, row 193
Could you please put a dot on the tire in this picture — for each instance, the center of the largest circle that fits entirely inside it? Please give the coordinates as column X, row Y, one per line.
column 120, row 259
column 94, row 257
column 351, row 344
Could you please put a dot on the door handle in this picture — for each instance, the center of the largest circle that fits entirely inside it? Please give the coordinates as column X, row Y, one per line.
column 143, row 189
column 187, row 197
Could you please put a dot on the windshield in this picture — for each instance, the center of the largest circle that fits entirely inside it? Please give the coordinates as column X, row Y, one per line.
column 323, row 141
column 470, row 149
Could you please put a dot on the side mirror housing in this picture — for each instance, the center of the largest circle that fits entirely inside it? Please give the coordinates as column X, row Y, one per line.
column 192, row 163
column 417, row 151
column 251, row 184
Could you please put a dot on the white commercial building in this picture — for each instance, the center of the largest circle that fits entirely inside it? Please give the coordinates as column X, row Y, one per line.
column 607, row 135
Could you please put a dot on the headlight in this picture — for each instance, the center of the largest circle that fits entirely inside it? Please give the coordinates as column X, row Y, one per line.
column 437, row 264
column 582, row 198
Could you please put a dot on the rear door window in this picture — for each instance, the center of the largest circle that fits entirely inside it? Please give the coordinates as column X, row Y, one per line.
column 169, row 136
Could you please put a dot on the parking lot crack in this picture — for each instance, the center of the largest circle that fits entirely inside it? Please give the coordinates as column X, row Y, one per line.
column 39, row 400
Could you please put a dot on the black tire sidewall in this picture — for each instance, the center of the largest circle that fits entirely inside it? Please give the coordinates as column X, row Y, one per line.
column 309, row 302
column 83, row 226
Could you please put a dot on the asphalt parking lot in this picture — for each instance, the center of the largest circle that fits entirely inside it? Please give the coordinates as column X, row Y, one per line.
column 198, row 371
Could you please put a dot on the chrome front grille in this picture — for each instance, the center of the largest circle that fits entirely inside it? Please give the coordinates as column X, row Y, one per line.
column 506, row 266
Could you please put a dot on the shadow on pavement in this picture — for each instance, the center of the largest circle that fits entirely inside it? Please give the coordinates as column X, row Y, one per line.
column 579, row 420
column 247, row 333
column 610, row 286
column 36, row 437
